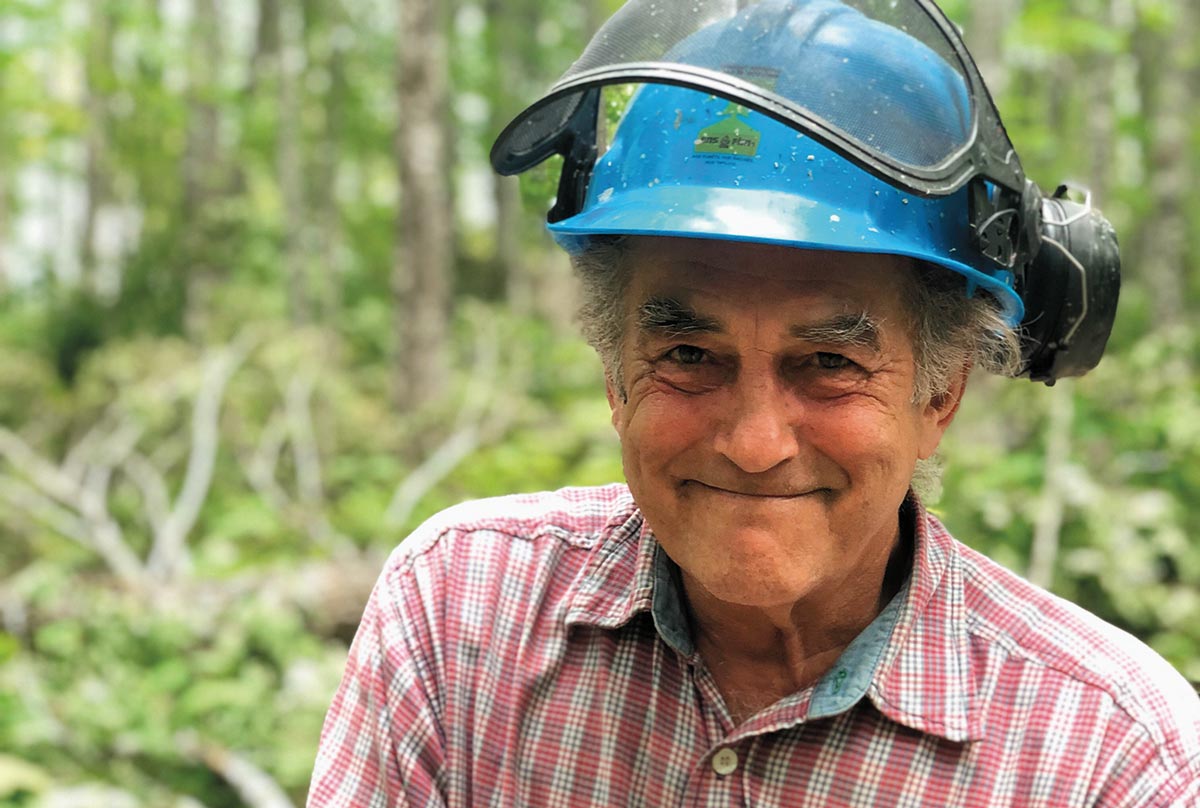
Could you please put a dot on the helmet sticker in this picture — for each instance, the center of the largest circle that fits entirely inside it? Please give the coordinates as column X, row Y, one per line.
column 731, row 136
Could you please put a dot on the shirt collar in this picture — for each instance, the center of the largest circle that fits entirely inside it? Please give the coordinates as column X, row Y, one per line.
column 912, row 661
column 924, row 680
column 667, row 609
column 617, row 581
column 850, row 678
column 628, row 574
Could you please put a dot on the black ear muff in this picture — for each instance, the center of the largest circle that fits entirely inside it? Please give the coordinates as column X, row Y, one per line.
column 1070, row 290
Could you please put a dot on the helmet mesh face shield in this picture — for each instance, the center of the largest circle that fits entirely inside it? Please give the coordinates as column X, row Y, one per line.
column 908, row 154
column 886, row 83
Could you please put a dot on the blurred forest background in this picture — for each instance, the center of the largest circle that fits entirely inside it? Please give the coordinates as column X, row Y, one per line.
column 263, row 308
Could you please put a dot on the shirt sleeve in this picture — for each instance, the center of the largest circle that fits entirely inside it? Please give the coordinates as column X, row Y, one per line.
column 1140, row 774
column 382, row 743
column 1184, row 788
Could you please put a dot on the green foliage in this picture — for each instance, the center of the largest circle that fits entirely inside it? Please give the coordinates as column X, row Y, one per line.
column 111, row 680
column 126, row 679
column 1126, row 551
column 112, row 684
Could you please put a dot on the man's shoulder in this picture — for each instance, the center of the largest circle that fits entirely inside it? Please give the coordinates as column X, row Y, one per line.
column 1046, row 636
column 573, row 517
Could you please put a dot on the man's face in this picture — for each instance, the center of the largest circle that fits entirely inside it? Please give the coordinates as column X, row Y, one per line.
column 768, row 428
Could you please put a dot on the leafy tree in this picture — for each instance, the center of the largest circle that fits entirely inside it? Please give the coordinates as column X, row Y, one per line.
column 201, row 467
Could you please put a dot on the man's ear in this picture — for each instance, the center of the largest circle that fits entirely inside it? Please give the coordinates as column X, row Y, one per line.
column 939, row 411
column 616, row 400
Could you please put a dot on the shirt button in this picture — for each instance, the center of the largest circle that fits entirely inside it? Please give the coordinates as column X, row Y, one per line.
column 725, row 762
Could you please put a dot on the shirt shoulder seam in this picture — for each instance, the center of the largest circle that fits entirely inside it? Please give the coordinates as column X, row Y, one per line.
column 1119, row 693
column 407, row 556
column 469, row 518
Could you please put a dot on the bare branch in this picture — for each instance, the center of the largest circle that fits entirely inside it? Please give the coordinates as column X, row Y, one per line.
column 107, row 537
column 297, row 397
column 152, row 486
column 32, row 502
column 44, row 474
column 307, row 458
column 260, row 469
column 96, row 529
column 169, row 552
column 471, row 427
column 106, row 454
column 425, row 477
column 255, row 787
column 74, row 464
column 14, row 616
column 118, row 444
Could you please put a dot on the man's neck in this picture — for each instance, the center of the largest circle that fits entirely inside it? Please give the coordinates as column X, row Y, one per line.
column 758, row 656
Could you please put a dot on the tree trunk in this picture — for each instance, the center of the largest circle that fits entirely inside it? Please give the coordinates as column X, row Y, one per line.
column 289, row 164
column 984, row 37
column 509, row 260
column 200, row 163
column 4, row 171
column 3, row 204
column 98, row 79
column 515, row 272
column 326, row 282
column 421, row 275
column 1100, row 125
column 1164, row 66
column 264, row 64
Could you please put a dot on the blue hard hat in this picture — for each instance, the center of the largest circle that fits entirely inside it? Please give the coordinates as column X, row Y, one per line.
column 688, row 163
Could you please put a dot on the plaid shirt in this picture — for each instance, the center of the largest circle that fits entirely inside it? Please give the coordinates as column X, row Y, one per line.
column 533, row 651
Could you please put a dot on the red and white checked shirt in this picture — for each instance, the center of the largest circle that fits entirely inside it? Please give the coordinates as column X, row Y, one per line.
column 532, row 651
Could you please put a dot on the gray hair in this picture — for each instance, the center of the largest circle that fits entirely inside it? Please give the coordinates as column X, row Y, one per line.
column 950, row 330
column 604, row 276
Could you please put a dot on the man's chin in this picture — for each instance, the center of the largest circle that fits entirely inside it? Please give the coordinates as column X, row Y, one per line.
column 752, row 589
column 771, row 529
column 749, row 564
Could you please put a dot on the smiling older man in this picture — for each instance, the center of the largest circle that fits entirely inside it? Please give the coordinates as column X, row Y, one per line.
column 787, row 306
column 769, row 436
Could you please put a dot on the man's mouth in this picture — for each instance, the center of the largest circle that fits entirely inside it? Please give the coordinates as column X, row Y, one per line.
column 757, row 492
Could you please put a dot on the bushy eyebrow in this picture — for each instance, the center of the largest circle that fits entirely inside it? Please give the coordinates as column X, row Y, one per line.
column 851, row 330
column 673, row 318
column 670, row 317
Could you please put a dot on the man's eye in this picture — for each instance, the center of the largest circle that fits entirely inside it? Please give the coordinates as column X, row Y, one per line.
column 832, row 361
column 686, row 355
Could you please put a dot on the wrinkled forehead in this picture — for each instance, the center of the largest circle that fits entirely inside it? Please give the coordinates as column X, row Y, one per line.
column 714, row 275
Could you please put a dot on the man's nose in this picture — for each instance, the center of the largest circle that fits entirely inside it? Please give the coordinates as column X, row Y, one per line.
column 759, row 431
